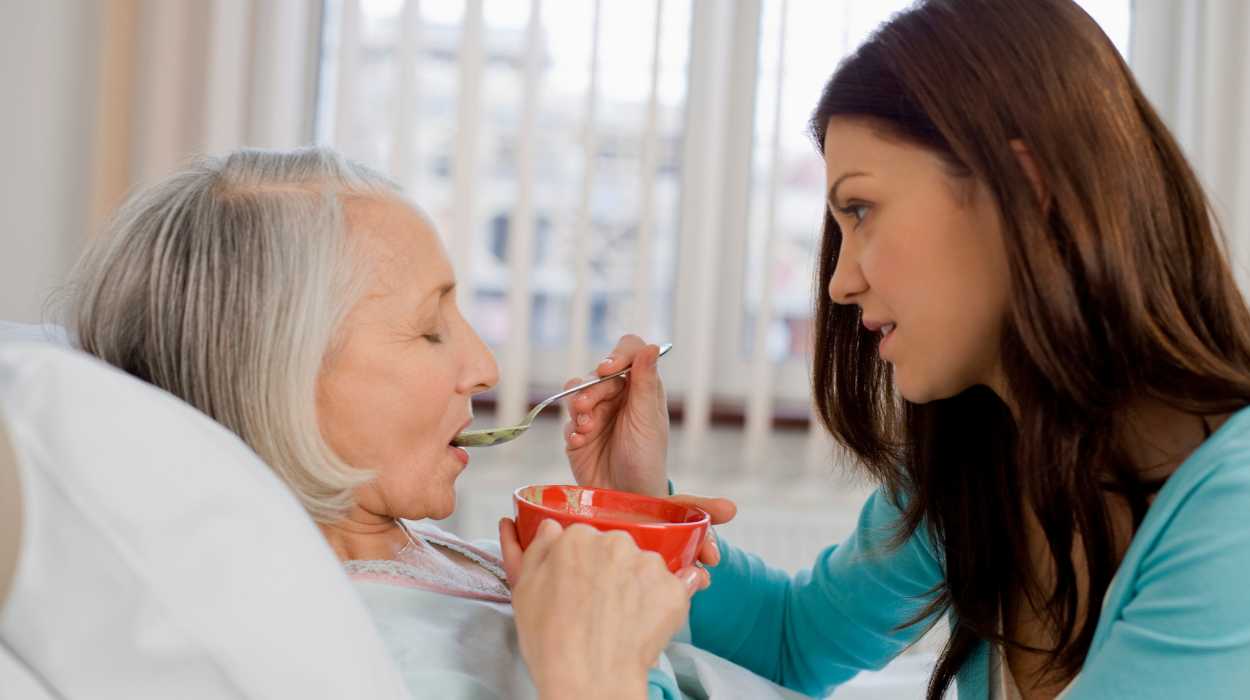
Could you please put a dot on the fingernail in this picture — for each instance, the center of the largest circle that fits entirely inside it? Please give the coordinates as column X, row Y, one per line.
column 572, row 435
column 606, row 361
column 713, row 560
column 582, row 419
column 689, row 577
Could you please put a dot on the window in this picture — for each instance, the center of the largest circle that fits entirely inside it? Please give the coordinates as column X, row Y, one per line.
column 367, row 131
column 608, row 225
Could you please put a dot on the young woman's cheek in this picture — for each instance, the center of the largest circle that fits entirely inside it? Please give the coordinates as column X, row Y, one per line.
column 872, row 265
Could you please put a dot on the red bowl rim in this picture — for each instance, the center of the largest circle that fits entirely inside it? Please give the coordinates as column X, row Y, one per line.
column 619, row 524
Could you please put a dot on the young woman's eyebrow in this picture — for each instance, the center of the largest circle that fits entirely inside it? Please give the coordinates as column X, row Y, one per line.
column 833, row 191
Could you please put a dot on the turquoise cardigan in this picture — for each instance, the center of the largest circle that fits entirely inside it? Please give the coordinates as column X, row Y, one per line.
column 1175, row 621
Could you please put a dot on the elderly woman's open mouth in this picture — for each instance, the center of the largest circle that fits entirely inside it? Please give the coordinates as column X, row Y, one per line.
column 460, row 453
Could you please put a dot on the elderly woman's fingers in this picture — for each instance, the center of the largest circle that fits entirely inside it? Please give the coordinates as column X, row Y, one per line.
column 547, row 533
column 590, row 582
column 510, row 547
column 515, row 561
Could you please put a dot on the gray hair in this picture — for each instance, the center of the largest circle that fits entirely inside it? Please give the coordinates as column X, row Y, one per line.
column 226, row 285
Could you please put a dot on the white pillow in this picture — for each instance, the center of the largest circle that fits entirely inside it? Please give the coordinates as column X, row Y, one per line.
column 160, row 558
column 17, row 681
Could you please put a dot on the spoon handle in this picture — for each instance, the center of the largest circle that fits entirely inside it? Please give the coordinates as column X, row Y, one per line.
column 538, row 409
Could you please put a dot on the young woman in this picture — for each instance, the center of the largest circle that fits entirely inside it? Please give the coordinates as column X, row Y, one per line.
column 1031, row 338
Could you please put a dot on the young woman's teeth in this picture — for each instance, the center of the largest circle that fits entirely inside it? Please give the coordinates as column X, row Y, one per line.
column 887, row 329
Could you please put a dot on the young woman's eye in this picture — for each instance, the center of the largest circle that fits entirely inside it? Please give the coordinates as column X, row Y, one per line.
column 855, row 210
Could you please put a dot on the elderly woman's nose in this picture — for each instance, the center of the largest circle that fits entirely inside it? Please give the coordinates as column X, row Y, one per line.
column 481, row 370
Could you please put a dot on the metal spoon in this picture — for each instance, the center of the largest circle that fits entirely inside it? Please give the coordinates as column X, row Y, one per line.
column 498, row 436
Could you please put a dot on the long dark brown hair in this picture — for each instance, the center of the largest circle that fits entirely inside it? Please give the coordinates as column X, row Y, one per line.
column 1120, row 292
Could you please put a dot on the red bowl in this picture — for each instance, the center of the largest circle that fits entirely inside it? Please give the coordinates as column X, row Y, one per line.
column 672, row 530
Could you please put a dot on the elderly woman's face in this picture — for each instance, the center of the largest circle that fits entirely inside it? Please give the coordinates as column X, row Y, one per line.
column 397, row 389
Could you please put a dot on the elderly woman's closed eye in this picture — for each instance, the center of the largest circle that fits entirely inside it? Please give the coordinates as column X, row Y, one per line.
column 301, row 301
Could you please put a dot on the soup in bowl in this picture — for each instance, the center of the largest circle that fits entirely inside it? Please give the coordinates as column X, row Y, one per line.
column 672, row 530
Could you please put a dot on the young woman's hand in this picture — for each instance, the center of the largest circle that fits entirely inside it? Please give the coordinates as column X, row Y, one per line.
column 593, row 611
column 721, row 510
column 617, row 434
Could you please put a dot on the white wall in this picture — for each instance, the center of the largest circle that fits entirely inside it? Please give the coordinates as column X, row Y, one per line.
column 1192, row 60
column 47, row 75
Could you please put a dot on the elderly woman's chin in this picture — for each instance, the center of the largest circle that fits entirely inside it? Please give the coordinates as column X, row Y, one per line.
column 434, row 501
column 441, row 510
column 434, row 491
column 443, row 500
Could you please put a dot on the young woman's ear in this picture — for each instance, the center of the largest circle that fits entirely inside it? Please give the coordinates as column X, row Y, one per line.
column 1024, row 157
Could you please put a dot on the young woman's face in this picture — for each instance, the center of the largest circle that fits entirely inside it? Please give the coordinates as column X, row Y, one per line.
column 397, row 388
column 921, row 256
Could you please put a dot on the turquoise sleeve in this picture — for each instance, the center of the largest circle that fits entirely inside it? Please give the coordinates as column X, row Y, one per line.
column 813, row 631
column 661, row 686
column 1182, row 628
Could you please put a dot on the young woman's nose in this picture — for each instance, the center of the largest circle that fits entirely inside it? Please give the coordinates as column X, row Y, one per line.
column 847, row 280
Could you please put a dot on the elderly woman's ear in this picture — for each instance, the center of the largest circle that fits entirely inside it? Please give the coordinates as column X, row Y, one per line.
column 10, row 513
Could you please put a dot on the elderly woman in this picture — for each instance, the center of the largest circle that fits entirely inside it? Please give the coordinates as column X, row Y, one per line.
column 299, row 300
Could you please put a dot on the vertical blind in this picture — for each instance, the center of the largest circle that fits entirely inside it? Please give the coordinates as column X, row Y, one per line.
column 607, row 167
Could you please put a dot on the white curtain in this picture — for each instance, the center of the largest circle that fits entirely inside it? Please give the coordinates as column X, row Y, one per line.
column 177, row 79
column 106, row 95
column 1190, row 57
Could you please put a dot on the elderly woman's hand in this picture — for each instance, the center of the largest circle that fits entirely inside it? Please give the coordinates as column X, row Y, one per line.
column 593, row 612
column 617, row 435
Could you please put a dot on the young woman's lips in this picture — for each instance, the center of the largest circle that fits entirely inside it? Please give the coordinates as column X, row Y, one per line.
column 887, row 335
